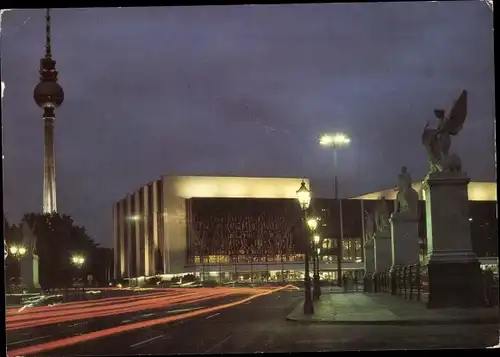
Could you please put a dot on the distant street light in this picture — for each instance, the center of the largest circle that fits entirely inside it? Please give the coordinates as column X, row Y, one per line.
column 304, row 198
column 77, row 261
column 317, row 287
column 337, row 141
column 18, row 251
column 312, row 223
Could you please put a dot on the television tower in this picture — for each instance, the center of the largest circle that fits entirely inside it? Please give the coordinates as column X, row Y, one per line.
column 48, row 95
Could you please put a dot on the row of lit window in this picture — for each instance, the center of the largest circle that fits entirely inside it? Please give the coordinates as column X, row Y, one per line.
column 246, row 259
column 219, row 259
column 332, row 259
column 352, row 248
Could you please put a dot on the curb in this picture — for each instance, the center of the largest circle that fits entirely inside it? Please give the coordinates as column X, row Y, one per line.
column 475, row 321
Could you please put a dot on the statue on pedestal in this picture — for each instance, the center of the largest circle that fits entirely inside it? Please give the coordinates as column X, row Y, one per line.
column 382, row 216
column 29, row 239
column 407, row 197
column 438, row 141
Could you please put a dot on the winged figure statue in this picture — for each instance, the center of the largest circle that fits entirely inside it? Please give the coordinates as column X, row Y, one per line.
column 438, row 141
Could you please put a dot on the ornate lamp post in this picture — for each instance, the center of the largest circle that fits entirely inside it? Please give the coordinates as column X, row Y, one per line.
column 304, row 198
column 18, row 252
column 317, row 287
column 312, row 223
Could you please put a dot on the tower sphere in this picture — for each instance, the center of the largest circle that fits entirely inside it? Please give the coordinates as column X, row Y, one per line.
column 48, row 94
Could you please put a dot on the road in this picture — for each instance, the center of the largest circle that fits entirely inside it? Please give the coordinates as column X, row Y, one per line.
column 258, row 325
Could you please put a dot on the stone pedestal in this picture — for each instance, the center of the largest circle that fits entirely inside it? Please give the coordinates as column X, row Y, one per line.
column 405, row 241
column 369, row 260
column 29, row 273
column 382, row 251
column 455, row 278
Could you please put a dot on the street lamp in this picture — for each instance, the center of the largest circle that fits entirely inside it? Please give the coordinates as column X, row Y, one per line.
column 18, row 251
column 77, row 260
column 312, row 223
column 317, row 287
column 304, row 198
column 336, row 141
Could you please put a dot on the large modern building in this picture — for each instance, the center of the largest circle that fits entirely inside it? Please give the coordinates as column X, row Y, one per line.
column 228, row 228
column 176, row 224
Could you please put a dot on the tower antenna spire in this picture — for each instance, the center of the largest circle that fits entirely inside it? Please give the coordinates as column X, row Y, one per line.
column 48, row 49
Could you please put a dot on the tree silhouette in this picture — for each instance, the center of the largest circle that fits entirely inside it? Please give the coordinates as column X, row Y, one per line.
column 58, row 239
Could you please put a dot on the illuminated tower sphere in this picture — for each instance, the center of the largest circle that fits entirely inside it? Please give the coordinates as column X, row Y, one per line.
column 48, row 94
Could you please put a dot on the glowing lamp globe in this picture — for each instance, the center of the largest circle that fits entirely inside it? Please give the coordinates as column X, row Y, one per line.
column 303, row 196
column 312, row 223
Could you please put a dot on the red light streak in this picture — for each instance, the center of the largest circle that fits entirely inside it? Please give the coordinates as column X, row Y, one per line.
column 81, row 304
column 49, row 346
column 81, row 314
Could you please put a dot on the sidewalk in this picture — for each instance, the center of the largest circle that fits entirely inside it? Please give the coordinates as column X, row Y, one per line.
column 385, row 309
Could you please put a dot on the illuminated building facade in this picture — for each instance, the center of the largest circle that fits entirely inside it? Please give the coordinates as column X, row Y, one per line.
column 229, row 228
column 169, row 226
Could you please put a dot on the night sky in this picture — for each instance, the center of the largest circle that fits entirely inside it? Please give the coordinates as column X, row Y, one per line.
column 240, row 90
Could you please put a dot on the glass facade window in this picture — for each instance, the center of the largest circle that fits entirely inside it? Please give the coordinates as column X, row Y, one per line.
column 329, row 243
column 329, row 259
column 295, row 258
column 352, row 250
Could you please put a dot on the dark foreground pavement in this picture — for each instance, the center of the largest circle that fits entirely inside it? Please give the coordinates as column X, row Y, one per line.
column 386, row 309
column 260, row 326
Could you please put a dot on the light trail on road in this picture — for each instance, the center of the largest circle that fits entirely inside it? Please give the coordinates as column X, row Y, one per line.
column 81, row 304
column 49, row 346
column 64, row 309
column 90, row 313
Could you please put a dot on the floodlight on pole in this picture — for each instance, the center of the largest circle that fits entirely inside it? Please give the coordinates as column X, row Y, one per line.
column 336, row 141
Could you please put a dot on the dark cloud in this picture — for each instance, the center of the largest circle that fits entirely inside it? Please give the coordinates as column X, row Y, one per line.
column 242, row 90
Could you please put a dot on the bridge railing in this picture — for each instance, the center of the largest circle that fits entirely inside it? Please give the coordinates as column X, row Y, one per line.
column 410, row 282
